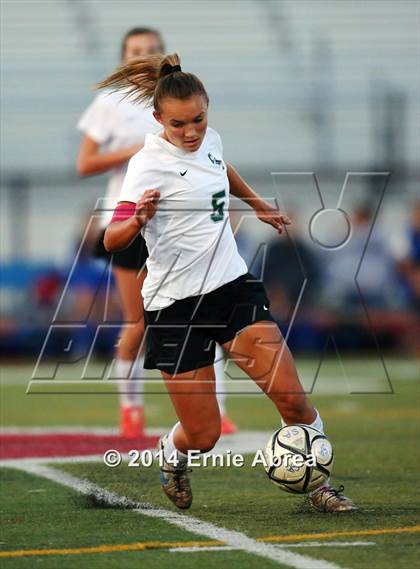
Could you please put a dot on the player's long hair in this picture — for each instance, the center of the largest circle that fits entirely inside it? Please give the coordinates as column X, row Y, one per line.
column 152, row 78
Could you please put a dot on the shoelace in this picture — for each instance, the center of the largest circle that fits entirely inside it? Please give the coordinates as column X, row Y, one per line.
column 181, row 483
column 333, row 493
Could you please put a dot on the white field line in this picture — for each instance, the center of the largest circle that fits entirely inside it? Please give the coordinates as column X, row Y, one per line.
column 328, row 383
column 339, row 385
column 232, row 538
column 244, row 442
column 278, row 546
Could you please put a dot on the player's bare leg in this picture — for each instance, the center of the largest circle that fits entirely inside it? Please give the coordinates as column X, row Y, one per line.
column 261, row 351
column 194, row 399
column 128, row 367
column 228, row 427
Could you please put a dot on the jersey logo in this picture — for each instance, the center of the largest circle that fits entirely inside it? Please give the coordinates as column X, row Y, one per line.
column 214, row 160
column 183, row 173
column 217, row 205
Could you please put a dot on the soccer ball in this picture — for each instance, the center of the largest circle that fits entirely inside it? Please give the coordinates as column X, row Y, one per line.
column 298, row 458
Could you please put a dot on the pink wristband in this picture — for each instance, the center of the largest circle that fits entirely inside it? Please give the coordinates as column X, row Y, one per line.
column 123, row 211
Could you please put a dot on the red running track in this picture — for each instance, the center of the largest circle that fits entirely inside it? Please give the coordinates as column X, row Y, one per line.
column 58, row 444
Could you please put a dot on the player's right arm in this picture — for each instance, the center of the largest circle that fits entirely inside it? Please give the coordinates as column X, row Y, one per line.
column 129, row 218
column 99, row 126
column 91, row 160
column 137, row 204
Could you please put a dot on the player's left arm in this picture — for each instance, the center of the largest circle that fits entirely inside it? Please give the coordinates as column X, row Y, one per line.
column 264, row 211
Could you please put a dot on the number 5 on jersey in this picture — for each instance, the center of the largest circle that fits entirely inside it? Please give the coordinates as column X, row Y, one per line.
column 218, row 205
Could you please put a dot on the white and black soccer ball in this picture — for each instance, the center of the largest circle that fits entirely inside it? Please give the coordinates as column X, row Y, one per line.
column 298, row 458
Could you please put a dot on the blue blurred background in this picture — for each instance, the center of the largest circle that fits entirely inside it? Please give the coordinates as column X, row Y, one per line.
column 309, row 86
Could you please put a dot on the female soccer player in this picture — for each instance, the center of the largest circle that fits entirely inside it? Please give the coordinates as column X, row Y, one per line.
column 197, row 291
column 120, row 126
column 113, row 131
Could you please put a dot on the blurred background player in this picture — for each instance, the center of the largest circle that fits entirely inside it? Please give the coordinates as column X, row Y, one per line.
column 114, row 130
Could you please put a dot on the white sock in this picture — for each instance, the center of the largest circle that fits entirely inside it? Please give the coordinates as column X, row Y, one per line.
column 170, row 451
column 131, row 391
column 219, row 371
column 136, row 384
column 316, row 424
column 122, row 373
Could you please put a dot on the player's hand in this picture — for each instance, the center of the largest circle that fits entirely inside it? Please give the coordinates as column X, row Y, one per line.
column 272, row 216
column 146, row 206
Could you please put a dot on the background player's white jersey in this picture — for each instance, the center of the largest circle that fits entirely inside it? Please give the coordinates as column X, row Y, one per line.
column 191, row 246
column 116, row 123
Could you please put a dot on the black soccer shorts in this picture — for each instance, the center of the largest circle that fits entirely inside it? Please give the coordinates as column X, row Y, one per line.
column 182, row 337
column 132, row 257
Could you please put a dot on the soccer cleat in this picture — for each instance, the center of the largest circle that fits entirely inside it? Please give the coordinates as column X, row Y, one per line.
column 228, row 427
column 132, row 422
column 175, row 481
column 327, row 499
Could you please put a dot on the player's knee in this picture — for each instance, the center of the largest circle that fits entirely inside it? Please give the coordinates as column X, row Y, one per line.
column 131, row 338
column 136, row 330
column 138, row 333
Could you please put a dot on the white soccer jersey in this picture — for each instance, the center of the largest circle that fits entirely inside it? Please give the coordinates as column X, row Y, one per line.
column 116, row 123
column 190, row 241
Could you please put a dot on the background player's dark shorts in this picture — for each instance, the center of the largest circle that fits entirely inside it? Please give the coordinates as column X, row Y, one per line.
column 134, row 257
column 182, row 337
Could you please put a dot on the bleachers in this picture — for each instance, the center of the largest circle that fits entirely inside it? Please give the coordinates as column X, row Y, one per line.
column 269, row 67
column 294, row 85
column 261, row 89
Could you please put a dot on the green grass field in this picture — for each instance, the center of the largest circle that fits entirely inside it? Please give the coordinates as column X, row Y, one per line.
column 376, row 439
